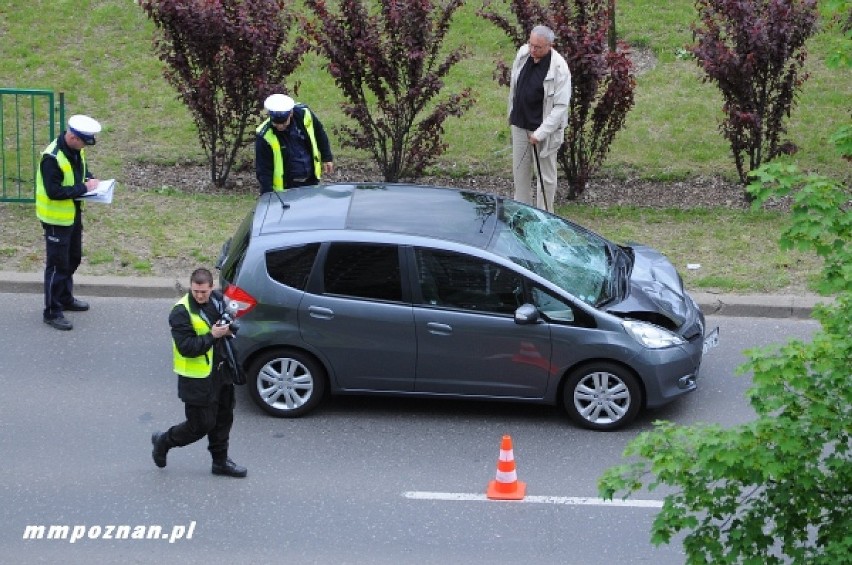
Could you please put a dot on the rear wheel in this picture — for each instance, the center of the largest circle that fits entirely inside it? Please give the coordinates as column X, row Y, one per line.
column 602, row 396
column 286, row 383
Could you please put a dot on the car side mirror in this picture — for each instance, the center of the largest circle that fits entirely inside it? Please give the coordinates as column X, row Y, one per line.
column 526, row 314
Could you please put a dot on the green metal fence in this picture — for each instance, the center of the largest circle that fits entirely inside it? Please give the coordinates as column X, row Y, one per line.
column 28, row 123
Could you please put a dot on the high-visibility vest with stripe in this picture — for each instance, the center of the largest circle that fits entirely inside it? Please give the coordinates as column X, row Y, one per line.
column 48, row 210
column 266, row 130
column 193, row 367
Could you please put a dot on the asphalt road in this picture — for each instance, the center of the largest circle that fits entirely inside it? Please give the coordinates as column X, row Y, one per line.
column 352, row 483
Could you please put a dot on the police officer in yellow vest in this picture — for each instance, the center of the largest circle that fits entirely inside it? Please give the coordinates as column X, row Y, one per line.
column 63, row 176
column 291, row 147
column 205, row 381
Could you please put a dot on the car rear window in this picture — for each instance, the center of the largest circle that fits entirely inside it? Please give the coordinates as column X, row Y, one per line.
column 292, row 266
column 235, row 249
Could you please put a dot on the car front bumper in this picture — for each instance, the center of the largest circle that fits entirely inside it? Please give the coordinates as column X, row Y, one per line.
column 671, row 372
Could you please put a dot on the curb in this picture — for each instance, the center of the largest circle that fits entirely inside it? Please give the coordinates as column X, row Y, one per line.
column 137, row 287
column 712, row 304
column 759, row 305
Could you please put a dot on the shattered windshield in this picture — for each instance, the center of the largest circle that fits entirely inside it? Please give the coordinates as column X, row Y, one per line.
column 573, row 259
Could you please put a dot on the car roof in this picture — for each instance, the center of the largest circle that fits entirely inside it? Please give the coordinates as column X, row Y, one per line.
column 430, row 211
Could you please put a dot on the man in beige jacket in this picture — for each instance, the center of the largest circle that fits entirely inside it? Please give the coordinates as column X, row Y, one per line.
column 539, row 94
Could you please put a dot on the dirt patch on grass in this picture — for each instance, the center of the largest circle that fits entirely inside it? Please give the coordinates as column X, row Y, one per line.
column 125, row 238
column 697, row 192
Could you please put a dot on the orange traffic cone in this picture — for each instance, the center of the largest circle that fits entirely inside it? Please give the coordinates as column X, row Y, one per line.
column 506, row 486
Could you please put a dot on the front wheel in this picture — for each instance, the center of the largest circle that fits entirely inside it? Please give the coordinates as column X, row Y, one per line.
column 286, row 383
column 602, row 396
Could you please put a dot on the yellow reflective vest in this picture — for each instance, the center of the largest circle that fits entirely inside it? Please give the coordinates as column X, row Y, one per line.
column 48, row 210
column 193, row 367
column 266, row 131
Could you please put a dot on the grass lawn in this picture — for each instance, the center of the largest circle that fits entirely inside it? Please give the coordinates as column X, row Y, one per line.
column 104, row 64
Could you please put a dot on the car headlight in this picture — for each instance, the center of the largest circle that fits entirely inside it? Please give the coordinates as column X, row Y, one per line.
column 651, row 336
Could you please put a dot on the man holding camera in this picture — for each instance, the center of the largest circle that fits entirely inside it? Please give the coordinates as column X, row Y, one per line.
column 205, row 377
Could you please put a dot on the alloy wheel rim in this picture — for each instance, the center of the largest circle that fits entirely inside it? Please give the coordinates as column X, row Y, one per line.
column 285, row 384
column 602, row 398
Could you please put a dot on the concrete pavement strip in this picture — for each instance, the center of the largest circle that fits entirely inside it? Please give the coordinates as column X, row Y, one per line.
column 745, row 305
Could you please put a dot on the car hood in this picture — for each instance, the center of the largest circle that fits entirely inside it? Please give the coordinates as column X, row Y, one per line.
column 655, row 287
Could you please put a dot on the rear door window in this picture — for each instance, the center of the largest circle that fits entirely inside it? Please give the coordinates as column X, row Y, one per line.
column 363, row 270
column 292, row 266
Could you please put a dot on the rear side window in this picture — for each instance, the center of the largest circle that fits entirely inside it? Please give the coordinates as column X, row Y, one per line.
column 292, row 266
column 363, row 270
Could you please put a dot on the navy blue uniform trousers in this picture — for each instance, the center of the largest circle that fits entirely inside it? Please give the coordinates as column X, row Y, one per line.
column 213, row 420
column 64, row 251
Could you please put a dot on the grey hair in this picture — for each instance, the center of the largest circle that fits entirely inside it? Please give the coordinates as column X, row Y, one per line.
column 544, row 32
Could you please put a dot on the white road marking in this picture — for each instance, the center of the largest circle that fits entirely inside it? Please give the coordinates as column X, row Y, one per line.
column 570, row 500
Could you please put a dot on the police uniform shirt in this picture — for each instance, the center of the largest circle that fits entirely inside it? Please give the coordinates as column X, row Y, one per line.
column 52, row 175
column 299, row 163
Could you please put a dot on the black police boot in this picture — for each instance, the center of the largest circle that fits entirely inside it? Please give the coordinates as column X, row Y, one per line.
column 60, row 323
column 228, row 468
column 161, row 448
column 76, row 306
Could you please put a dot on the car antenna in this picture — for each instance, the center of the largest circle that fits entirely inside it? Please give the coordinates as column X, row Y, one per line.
column 284, row 205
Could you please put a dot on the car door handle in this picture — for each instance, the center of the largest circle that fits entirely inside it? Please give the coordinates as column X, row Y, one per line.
column 439, row 329
column 320, row 312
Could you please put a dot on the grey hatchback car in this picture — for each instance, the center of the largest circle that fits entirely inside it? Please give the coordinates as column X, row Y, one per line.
column 408, row 290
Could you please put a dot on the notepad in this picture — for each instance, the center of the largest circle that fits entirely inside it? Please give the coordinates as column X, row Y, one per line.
column 102, row 194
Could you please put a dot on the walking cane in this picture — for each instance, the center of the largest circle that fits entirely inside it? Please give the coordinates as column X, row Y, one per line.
column 540, row 180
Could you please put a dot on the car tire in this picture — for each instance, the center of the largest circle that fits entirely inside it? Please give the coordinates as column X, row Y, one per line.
column 286, row 383
column 602, row 396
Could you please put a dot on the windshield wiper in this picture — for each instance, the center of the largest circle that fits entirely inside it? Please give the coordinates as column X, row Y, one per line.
column 617, row 280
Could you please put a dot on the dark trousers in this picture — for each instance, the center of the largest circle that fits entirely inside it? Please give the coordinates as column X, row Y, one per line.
column 63, row 253
column 213, row 420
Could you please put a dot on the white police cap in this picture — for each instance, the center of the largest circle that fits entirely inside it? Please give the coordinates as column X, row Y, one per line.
column 280, row 104
column 84, row 127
